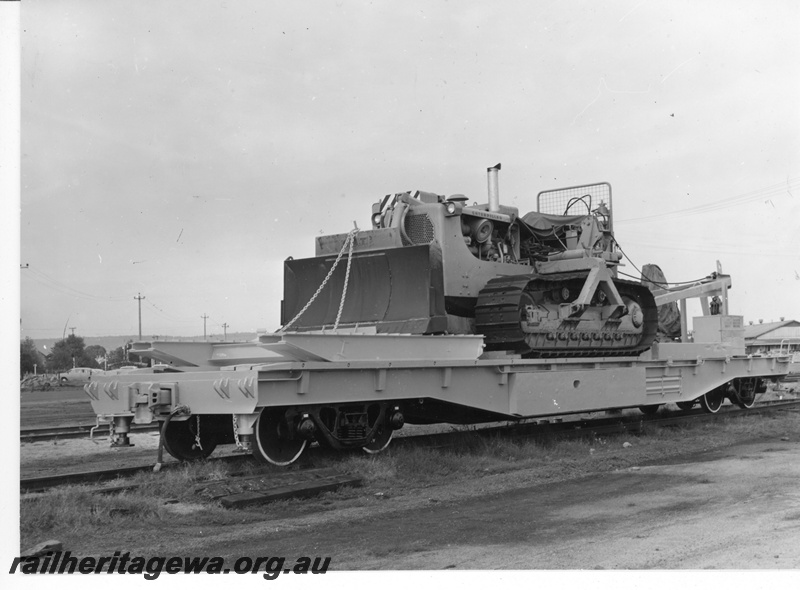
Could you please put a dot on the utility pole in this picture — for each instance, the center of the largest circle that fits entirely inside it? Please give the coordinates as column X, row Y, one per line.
column 139, row 298
column 26, row 266
column 205, row 317
column 225, row 330
column 73, row 330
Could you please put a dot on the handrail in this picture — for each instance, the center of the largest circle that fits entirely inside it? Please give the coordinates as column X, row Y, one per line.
column 788, row 347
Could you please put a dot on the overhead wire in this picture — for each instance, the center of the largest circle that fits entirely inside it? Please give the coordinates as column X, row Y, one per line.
column 166, row 315
column 46, row 280
column 742, row 252
column 750, row 196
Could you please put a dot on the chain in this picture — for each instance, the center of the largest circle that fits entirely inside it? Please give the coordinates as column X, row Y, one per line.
column 112, row 435
column 236, row 433
column 197, row 435
column 348, row 242
column 352, row 238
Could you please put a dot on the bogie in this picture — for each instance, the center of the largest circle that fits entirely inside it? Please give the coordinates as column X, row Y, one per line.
column 282, row 434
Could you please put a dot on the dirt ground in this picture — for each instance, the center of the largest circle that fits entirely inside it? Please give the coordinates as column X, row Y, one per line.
column 733, row 508
column 732, row 505
column 738, row 508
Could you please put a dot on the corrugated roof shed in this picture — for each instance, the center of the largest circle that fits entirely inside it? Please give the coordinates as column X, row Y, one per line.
column 760, row 330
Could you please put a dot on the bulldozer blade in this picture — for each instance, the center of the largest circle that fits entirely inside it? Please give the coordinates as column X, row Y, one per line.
column 397, row 290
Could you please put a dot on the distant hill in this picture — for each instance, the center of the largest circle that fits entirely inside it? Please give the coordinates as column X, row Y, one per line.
column 112, row 342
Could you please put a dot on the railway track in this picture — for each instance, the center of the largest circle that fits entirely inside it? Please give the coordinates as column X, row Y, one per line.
column 45, row 482
column 76, row 431
column 571, row 428
column 541, row 428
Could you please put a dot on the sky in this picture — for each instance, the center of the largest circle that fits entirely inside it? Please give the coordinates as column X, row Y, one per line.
column 182, row 150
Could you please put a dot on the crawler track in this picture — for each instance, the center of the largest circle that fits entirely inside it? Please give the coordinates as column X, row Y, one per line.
column 501, row 303
column 542, row 428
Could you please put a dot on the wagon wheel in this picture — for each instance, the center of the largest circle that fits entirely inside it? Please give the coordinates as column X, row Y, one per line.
column 649, row 410
column 274, row 443
column 686, row 405
column 711, row 401
column 181, row 442
column 381, row 439
column 745, row 393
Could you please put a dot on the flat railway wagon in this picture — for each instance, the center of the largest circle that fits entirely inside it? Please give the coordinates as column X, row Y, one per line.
column 445, row 313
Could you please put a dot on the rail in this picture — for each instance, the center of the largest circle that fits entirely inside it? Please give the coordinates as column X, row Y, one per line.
column 75, row 431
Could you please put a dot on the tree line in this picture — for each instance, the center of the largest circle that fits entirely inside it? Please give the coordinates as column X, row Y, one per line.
column 71, row 352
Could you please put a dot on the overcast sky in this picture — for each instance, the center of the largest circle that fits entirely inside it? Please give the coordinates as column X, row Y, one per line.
column 184, row 149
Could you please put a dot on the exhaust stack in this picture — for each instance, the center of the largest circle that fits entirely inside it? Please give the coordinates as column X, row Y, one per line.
column 494, row 188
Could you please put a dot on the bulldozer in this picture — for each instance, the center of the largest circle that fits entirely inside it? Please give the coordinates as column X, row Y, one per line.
column 445, row 312
column 540, row 285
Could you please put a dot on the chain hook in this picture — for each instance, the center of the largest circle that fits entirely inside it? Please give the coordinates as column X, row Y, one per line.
column 197, row 444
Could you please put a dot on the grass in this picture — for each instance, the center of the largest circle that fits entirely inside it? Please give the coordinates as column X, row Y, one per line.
column 475, row 455
column 76, row 509
column 166, row 501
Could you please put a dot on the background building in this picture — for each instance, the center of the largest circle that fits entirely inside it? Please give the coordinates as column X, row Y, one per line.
column 768, row 337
